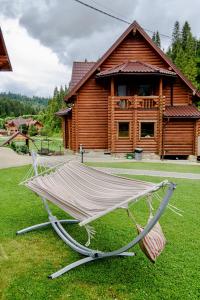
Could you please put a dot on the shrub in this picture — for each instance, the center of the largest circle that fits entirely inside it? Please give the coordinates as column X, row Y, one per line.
column 13, row 146
column 32, row 130
column 22, row 149
column 45, row 131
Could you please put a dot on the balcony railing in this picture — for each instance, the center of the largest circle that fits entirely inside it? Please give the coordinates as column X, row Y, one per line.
column 131, row 102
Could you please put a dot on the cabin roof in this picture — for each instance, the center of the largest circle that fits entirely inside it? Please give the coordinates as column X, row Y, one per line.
column 135, row 67
column 5, row 64
column 134, row 27
column 63, row 112
column 21, row 121
column 183, row 111
column 79, row 69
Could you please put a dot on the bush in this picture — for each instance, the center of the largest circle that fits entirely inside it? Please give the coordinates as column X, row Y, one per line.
column 19, row 148
column 32, row 130
column 45, row 131
column 13, row 146
column 22, row 149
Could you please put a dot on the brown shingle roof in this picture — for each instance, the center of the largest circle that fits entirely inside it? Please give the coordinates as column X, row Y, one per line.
column 5, row 64
column 19, row 121
column 133, row 27
column 183, row 111
column 78, row 72
column 135, row 66
column 63, row 112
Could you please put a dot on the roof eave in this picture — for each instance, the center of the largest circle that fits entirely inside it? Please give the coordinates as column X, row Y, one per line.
column 181, row 117
column 136, row 74
column 9, row 68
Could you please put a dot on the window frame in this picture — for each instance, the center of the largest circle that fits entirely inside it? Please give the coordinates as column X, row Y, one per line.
column 123, row 137
column 140, row 130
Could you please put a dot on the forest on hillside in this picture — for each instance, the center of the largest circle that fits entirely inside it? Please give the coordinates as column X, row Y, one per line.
column 15, row 105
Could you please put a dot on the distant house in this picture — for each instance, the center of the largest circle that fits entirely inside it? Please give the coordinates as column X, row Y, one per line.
column 133, row 96
column 14, row 125
column 19, row 137
column 5, row 64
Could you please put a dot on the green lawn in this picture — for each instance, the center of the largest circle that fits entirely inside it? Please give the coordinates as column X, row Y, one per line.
column 169, row 167
column 25, row 261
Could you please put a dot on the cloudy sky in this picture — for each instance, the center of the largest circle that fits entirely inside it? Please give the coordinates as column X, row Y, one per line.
column 43, row 37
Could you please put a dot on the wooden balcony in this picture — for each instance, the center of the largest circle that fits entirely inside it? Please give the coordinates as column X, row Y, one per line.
column 136, row 102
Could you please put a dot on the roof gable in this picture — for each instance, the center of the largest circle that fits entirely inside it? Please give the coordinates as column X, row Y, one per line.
column 5, row 64
column 134, row 27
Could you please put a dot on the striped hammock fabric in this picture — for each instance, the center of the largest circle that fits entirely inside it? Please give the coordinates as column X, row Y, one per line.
column 85, row 193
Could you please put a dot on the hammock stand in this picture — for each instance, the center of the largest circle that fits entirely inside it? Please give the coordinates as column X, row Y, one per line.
column 92, row 254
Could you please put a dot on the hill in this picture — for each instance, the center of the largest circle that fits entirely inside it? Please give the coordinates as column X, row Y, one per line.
column 14, row 105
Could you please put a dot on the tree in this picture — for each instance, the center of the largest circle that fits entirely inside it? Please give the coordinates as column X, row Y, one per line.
column 53, row 123
column 156, row 38
column 32, row 131
column 183, row 51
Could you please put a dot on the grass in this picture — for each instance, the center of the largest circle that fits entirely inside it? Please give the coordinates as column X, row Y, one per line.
column 168, row 167
column 25, row 261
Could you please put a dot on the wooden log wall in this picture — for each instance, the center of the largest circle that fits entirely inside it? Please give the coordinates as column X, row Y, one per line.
column 91, row 121
column 179, row 137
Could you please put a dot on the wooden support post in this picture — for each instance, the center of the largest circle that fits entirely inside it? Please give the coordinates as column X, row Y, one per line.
column 76, row 124
column 112, row 115
column 172, row 94
column 160, row 114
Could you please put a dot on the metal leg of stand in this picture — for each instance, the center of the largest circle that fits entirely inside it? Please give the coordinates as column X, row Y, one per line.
column 72, row 266
column 81, row 262
column 38, row 226
column 34, row 227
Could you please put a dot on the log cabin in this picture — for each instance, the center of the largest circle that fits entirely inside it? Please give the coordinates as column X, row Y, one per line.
column 133, row 96
column 5, row 64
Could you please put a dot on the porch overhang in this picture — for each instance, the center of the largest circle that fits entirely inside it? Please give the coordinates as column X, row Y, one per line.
column 135, row 68
column 63, row 112
column 181, row 112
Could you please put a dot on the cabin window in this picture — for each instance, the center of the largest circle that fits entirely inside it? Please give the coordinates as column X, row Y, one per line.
column 147, row 129
column 145, row 90
column 123, row 129
column 122, row 90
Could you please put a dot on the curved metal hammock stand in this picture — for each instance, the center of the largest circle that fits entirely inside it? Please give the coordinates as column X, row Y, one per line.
column 92, row 254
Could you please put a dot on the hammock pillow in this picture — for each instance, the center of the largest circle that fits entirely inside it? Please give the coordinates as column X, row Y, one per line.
column 153, row 243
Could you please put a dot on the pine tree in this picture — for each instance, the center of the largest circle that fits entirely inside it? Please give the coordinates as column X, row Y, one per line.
column 158, row 42
column 156, row 38
column 183, row 51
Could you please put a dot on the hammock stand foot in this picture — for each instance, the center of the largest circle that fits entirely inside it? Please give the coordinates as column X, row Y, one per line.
column 81, row 262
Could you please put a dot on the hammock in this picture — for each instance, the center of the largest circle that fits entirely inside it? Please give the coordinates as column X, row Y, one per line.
column 87, row 194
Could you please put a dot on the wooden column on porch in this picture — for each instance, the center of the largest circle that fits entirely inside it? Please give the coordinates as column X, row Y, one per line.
column 112, row 115
column 160, row 123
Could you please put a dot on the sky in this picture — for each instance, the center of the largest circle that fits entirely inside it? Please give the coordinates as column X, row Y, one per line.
column 44, row 37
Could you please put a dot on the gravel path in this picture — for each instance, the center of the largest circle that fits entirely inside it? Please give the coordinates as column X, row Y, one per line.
column 149, row 173
column 9, row 158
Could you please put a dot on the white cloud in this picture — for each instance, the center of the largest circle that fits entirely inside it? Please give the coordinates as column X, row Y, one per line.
column 36, row 69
